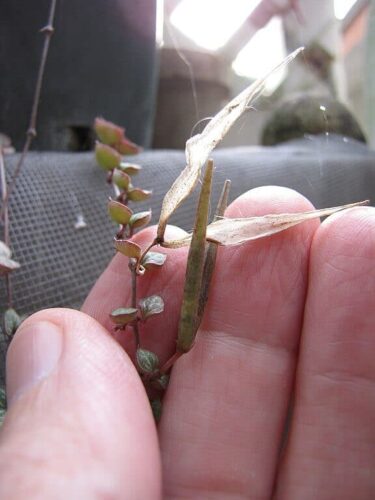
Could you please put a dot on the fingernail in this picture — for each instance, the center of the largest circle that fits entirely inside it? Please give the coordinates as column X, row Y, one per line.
column 32, row 356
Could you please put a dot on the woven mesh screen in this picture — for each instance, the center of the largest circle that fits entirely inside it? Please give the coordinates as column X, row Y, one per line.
column 60, row 263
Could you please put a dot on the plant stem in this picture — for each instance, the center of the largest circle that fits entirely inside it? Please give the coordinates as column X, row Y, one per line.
column 3, row 181
column 134, row 325
column 210, row 259
column 168, row 364
column 151, row 245
column 187, row 328
column 31, row 131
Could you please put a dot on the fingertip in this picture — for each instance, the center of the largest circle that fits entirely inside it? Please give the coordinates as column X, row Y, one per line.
column 268, row 199
column 82, row 396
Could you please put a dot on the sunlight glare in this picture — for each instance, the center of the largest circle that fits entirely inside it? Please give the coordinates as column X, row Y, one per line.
column 211, row 23
column 342, row 7
column 265, row 50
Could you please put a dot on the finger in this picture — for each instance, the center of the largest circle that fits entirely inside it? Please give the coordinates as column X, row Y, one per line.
column 225, row 407
column 113, row 290
column 330, row 453
column 79, row 424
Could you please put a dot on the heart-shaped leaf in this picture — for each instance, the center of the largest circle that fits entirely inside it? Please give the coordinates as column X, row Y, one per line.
column 108, row 132
column 107, row 157
column 147, row 361
column 5, row 251
column 128, row 248
column 150, row 306
column 126, row 147
column 130, row 168
column 121, row 179
column 7, row 265
column 11, row 322
column 140, row 219
column 138, row 194
column 153, row 259
column 123, row 315
column 119, row 212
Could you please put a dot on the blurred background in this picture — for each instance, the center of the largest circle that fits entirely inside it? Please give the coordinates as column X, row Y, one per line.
column 160, row 67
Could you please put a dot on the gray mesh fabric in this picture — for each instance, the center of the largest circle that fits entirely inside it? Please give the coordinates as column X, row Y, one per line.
column 61, row 263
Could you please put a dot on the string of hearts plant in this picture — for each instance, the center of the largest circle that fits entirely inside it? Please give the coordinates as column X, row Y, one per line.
column 203, row 241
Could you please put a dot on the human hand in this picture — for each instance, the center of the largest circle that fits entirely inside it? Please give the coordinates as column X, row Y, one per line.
column 281, row 316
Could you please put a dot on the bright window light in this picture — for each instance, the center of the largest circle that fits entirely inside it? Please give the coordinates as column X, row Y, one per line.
column 159, row 22
column 211, row 23
column 342, row 7
column 265, row 50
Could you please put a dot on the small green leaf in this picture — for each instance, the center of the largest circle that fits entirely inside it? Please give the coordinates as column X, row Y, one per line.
column 11, row 322
column 150, row 306
column 161, row 383
column 130, row 168
column 2, row 416
column 147, row 361
column 140, row 219
column 138, row 194
column 128, row 248
column 121, row 179
column 107, row 157
column 152, row 259
column 156, row 407
column 3, row 399
column 119, row 212
column 108, row 132
column 123, row 315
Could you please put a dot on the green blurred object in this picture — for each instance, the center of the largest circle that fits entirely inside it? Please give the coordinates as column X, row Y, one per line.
column 310, row 115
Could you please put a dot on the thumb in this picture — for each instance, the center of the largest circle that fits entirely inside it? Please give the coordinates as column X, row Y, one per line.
column 78, row 423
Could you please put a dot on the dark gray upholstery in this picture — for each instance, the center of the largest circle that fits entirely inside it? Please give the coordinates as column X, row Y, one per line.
column 102, row 61
column 60, row 263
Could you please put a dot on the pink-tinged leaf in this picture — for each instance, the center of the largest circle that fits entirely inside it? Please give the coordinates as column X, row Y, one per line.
column 118, row 212
column 123, row 315
column 108, row 132
column 130, row 168
column 121, row 179
column 140, row 219
column 128, row 248
column 138, row 194
column 153, row 259
column 107, row 157
column 7, row 265
column 150, row 306
column 236, row 231
column 127, row 147
column 200, row 146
